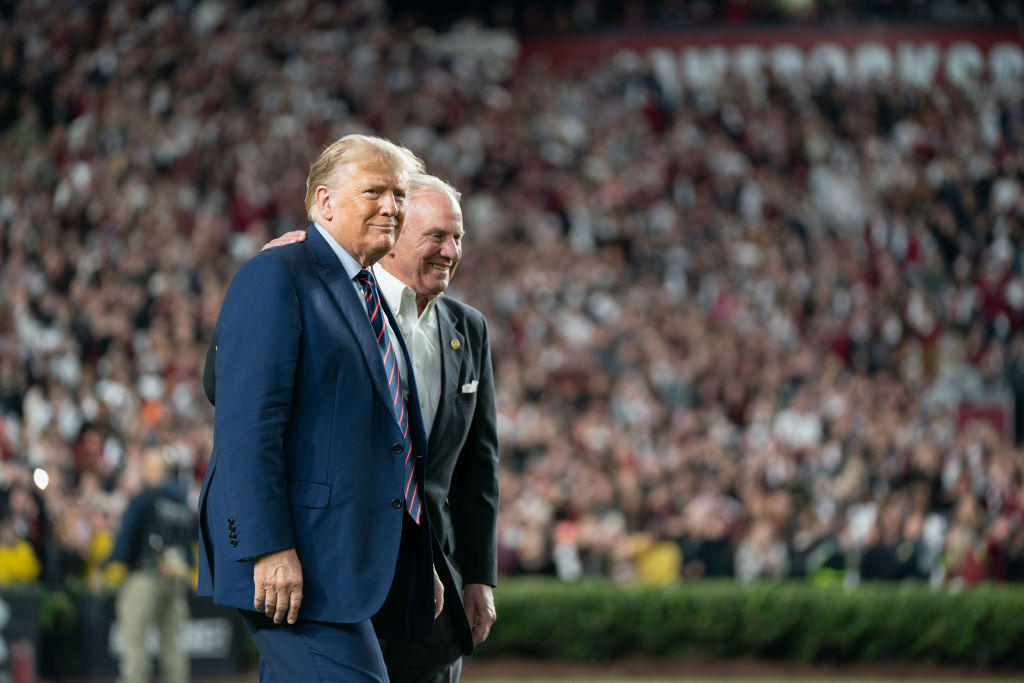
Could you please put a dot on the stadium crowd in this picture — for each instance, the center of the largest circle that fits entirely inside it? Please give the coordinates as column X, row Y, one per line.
column 732, row 336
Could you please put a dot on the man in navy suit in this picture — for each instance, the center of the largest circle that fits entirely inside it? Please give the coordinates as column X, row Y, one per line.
column 450, row 349
column 311, row 513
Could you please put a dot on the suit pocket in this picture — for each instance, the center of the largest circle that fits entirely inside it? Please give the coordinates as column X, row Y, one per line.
column 308, row 494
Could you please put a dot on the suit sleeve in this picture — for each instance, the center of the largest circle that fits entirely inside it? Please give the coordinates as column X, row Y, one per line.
column 474, row 491
column 258, row 336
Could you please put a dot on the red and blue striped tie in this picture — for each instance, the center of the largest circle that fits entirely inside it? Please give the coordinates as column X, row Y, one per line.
column 413, row 501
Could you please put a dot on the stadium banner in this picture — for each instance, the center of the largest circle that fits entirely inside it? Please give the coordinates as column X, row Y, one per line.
column 917, row 56
column 213, row 638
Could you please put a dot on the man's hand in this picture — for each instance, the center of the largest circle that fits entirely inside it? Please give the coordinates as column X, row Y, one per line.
column 278, row 585
column 287, row 238
column 479, row 603
column 438, row 595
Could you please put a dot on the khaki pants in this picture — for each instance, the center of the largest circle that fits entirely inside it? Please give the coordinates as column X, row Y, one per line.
column 148, row 599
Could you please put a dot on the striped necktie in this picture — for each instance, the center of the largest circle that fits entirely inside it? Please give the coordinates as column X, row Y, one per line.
column 413, row 501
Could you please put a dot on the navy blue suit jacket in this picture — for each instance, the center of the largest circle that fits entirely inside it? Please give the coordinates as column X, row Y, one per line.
column 306, row 446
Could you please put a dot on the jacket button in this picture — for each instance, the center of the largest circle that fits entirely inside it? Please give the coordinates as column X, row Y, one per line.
column 234, row 542
column 395, row 503
column 396, row 449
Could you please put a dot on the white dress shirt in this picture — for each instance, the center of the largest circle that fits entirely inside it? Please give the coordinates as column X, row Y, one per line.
column 352, row 269
column 421, row 336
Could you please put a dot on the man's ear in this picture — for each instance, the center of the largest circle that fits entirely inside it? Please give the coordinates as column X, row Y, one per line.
column 324, row 202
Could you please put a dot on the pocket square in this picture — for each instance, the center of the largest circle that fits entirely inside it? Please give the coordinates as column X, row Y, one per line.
column 469, row 387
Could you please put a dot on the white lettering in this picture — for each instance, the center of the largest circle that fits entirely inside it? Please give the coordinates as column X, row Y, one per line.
column 202, row 639
column 828, row 62
column 704, row 67
column 964, row 64
column 663, row 64
column 787, row 62
column 917, row 63
column 748, row 62
column 1006, row 64
column 872, row 62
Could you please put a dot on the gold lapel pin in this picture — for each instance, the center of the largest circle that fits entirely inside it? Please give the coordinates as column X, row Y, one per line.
column 455, row 344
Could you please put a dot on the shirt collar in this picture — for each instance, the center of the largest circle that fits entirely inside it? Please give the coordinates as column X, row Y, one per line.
column 394, row 291
column 348, row 262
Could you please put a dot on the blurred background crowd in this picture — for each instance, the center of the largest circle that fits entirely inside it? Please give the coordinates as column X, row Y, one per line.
column 735, row 334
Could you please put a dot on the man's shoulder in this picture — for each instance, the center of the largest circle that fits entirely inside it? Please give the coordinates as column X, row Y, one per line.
column 292, row 253
column 464, row 311
column 289, row 258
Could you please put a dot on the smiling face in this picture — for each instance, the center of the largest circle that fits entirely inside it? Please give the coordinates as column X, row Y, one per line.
column 430, row 246
column 363, row 208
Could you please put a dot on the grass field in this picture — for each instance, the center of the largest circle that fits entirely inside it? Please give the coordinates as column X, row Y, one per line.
column 647, row 671
column 521, row 670
column 527, row 671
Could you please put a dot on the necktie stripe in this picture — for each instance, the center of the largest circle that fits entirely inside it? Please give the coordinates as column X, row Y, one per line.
column 413, row 502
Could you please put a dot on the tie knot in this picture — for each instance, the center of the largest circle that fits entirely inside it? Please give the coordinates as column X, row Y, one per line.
column 364, row 276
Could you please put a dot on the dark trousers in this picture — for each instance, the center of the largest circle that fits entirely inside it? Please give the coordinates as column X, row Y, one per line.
column 437, row 660
column 408, row 611
column 315, row 652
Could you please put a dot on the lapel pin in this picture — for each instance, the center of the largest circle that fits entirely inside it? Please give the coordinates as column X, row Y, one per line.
column 455, row 344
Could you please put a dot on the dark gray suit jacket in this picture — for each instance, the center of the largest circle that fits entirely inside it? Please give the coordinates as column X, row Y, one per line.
column 462, row 455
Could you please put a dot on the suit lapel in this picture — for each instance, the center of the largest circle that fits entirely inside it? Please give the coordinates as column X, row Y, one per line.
column 451, row 370
column 338, row 284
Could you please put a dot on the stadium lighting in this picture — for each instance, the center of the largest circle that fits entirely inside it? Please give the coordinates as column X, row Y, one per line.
column 41, row 478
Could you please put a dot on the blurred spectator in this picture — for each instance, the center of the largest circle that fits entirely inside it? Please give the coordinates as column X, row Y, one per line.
column 154, row 546
column 761, row 554
column 18, row 561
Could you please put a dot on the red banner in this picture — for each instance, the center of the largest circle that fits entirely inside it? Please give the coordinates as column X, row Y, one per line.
column 915, row 55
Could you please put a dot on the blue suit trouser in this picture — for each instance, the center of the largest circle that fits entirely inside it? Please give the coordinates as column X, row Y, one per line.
column 312, row 651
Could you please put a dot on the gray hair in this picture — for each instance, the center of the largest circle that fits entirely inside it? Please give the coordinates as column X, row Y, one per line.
column 422, row 182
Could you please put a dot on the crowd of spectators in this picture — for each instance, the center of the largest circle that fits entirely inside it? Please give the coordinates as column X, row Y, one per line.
column 734, row 336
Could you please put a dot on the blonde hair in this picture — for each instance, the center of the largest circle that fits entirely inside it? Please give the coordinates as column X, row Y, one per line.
column 358, row 148
column 421, row 182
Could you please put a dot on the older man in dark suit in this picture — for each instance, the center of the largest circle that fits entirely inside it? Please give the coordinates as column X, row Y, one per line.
column 311, row 515
column 450, row 351
column 451, row 356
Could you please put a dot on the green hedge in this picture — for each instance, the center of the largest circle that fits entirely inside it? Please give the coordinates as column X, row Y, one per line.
column 596, row 620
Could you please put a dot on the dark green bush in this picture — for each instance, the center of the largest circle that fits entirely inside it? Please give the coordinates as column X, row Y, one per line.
column 596, row 621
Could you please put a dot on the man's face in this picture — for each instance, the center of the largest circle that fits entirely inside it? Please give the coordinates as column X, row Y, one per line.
column 430, row 247
column 366, row 209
